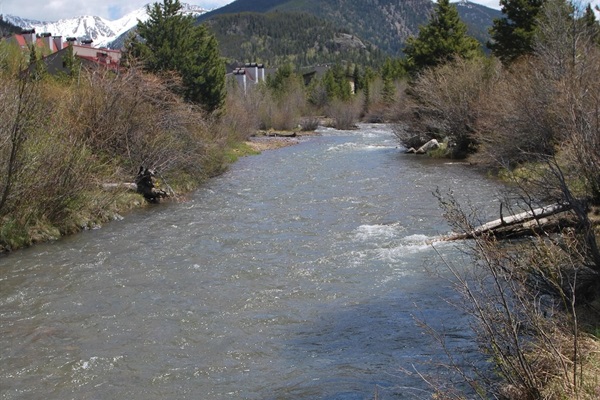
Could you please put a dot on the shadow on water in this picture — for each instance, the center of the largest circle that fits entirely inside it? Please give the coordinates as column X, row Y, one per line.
column 373, row 350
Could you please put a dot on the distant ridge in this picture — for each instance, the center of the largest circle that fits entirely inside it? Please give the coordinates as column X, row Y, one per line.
column 385, row 23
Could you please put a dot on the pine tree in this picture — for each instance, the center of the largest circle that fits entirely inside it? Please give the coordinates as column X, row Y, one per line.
column 340, row 74
column 72, row 64
column 591, row 23
column 37, row 68
column 172, row 42
column 358, row 79
column 442, row 39
column 513, row 36
column 388, row 77
column 204, row 76
column 368, row 77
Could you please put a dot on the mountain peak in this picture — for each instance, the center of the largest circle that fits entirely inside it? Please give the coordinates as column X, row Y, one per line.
column 100, row 30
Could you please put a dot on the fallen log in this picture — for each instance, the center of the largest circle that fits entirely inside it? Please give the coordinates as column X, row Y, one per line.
column 522, row 224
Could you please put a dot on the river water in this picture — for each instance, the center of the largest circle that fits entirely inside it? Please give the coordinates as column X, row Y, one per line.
column 298, row 274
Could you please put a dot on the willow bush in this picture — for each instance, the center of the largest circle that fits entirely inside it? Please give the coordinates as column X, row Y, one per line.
column 444, row 104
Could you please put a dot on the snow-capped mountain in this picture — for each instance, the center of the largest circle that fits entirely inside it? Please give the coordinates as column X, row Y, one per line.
column 100, row 30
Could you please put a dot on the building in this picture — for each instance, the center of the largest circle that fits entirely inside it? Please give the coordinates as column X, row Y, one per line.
column 54, row 50
column 249, row 75
column 90, row 57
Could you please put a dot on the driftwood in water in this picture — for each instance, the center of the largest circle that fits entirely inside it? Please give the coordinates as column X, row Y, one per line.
column 522, row 224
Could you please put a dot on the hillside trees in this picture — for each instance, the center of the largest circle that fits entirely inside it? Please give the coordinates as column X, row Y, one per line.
column 6, row 28
column 171, row 42
column 442, row 39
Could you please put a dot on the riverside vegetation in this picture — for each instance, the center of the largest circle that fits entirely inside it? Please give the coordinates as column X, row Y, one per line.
column 529, row 113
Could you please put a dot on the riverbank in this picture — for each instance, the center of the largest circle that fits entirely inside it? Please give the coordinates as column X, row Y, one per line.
column 119, row 199
column 275, row 140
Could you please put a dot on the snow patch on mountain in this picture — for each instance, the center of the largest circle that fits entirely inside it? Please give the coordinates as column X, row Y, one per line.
column 100, row 30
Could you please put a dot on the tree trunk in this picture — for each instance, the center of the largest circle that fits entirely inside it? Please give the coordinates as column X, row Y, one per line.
column 521, row 224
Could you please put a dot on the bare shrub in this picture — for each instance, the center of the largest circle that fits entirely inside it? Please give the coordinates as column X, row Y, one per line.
column 378, row 109
column 136, row 118
column 523, row 297
column 310, row 123
column 19, row 111
column 63, row 140
column 282, row 112
column 547, row 105
column 344, row 114
column 517, row 121
column 447, row 100
column 282, row 105
column 241, row 117
column 410, row 128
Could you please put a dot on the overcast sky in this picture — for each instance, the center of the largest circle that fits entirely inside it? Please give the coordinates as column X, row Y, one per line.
column 53, row 10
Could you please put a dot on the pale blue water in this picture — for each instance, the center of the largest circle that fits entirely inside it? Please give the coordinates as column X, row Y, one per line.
column 298, row 274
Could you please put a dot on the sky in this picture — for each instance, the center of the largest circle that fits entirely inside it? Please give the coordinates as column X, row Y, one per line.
column 53, row 10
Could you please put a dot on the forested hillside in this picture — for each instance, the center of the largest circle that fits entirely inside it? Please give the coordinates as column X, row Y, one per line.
column 385, row 23
column 277, row 38
column 478, row 19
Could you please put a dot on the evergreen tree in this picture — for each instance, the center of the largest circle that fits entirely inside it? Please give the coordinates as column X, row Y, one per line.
column 513, row 35
column 281, row 80
column 442, row 39
column 330, row 85
column 368, row 77
column 388, row 77
column 591, row 24
column 358, row 79
column 71, row 63
column 172, row 42
column 204, row 76
column 336, row 84
column 343, row 89
column 37, row 68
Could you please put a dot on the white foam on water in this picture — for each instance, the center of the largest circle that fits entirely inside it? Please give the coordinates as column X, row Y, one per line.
column 377, row 232
column 344, row 147
column 359, row 147
column 408, row 245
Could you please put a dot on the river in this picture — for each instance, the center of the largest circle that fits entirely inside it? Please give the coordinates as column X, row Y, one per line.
column 298, row 274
